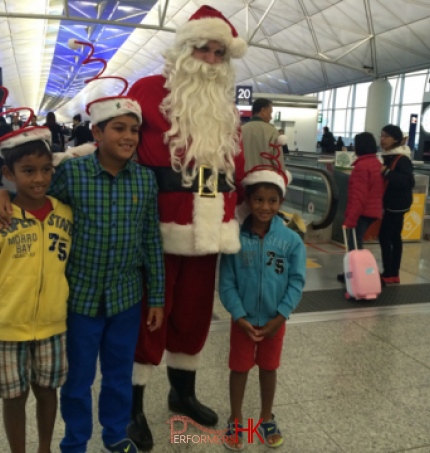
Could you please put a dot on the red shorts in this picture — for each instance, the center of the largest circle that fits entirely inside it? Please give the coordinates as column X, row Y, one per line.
column 245, row 353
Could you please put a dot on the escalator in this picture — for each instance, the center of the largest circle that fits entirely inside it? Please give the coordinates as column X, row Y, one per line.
column 313, row 195
column 310, row 159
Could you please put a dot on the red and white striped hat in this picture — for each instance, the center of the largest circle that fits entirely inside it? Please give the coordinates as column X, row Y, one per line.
column 269, row 173
column 24, row 134
column 108, row 107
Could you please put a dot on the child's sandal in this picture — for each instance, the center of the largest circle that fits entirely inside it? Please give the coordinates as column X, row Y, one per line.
column 230, row 439
column 270, row 428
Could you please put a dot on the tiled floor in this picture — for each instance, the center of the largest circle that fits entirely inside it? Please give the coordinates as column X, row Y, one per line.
column 353, row 385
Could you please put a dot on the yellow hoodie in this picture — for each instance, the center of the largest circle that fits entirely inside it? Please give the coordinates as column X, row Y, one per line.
column 33, row 285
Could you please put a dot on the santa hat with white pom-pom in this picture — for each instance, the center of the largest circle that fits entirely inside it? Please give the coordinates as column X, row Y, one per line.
column 210, row 24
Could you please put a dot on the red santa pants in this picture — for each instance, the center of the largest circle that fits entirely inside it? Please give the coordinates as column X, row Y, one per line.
column 190, row 285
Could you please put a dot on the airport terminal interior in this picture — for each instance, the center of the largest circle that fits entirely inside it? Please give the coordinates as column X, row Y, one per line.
column 354, row 374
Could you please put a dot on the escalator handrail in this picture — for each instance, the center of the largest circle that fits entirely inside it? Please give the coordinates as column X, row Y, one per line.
column 332, row 194
column 309, row 154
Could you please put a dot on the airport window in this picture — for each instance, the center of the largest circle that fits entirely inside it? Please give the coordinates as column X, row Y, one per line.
column 358, row 121
column 395, row 110
column 339, row 123
column 395, row 90
column 413, row 89
column 344, row 109
column 342, row 97
column 361, row 94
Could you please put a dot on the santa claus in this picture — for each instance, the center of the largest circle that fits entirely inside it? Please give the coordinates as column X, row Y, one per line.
column 190, row 139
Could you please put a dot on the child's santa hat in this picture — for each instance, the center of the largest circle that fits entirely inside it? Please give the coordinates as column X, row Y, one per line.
column 109, row 107
column 24, row 134
column 104, row 108
column 208, row 23
column 266, row 173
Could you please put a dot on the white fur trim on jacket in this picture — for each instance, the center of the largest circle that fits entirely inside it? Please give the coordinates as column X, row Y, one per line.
column 212, row 29
column 207, row 235
column 141, row 373
column 182, row 361
column 76, row 151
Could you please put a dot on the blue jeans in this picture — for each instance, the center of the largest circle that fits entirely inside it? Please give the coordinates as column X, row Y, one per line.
column 114, row 340
column 363, row 223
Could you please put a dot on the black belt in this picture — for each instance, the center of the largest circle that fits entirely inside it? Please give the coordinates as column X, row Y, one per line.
column 169, row 180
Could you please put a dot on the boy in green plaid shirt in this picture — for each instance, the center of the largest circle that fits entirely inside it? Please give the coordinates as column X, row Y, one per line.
column 116, row 239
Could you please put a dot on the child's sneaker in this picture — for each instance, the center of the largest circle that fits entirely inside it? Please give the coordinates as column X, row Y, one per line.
column 123, row 446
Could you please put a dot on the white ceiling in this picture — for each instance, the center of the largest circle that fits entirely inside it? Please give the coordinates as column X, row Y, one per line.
column 295, row 46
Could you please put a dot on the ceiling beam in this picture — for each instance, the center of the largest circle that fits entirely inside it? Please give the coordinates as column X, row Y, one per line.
column 372, row 35
column 261, row 20
column 314, row 38
column 313, row 57
column 86, row 20
column 162, row 13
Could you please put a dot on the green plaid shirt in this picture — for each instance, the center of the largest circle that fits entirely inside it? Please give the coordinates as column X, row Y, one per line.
column 116, row 236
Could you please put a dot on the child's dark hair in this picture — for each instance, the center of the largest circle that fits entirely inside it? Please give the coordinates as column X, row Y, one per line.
column 13, row 155
column 103, row 124
column 249, row 190
column 365, row 143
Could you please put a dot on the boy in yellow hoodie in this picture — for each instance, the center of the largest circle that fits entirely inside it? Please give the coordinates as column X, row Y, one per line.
column 33, row 288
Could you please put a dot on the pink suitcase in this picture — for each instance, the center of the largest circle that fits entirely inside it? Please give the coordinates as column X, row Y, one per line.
column 361, row 272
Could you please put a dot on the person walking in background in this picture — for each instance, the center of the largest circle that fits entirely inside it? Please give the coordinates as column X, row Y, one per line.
column 33, row 121
column 56, row 132
column 260, row 286
column 81, row 133
column 399, row 181
column 258, row 134
column 365, row 191
column 16, row 122
column 327, row 141
column 282, row 137
column 339, row 144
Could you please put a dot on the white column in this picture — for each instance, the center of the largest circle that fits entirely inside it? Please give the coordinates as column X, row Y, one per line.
column 378, row 107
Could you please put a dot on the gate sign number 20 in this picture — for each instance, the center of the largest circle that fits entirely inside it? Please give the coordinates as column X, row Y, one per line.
column 243, row 95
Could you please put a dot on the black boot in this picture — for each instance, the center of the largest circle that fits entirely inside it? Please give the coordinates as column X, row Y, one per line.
column 182, row 397
column 138, row 430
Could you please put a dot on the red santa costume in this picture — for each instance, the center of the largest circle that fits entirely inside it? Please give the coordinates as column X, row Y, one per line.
column 190, row 138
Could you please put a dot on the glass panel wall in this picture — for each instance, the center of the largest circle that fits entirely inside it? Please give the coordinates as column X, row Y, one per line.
column 343, row 109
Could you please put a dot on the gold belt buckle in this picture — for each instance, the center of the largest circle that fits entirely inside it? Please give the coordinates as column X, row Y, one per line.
column 204, row 191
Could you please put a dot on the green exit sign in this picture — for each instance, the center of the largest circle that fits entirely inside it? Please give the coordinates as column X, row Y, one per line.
column 319, row 117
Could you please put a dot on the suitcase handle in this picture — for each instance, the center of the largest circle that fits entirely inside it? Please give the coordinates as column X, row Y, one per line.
column 345, row 239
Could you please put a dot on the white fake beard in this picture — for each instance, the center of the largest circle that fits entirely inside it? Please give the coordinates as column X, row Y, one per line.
column 204, row 119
